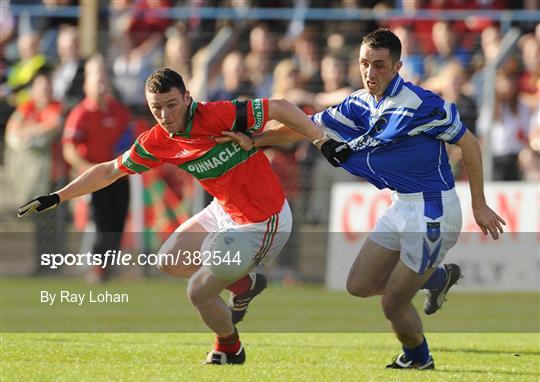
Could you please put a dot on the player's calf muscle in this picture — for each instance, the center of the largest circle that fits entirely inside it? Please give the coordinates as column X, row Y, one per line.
column 392, row 307
column 202, row 289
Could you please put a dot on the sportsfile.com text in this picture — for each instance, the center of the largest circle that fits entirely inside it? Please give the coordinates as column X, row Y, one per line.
column 118, row 258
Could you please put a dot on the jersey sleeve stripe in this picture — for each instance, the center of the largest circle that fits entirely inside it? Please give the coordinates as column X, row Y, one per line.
column 317, row 119
column 257, row 108
column 143, row 153
column 130, row 164
column 457, row 132
column 342, row 119
column 119, row 165
column 328, row 120
column 434, row 123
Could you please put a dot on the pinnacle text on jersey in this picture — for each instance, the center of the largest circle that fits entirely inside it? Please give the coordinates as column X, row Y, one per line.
column 218, row 160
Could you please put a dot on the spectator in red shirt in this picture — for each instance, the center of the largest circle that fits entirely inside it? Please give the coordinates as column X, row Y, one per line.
column 91, row 135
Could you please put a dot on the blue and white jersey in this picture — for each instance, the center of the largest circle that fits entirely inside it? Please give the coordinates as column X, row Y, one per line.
column 398, row 142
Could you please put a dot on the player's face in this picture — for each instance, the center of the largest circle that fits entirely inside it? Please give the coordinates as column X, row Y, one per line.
column 169, row 109
column 377, row 69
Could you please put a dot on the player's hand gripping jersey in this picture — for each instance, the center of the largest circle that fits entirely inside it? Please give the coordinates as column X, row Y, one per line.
column 398, row 142
column 242, row 181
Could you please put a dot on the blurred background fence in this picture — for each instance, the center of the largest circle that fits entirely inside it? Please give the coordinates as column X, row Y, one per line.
column 482, row 55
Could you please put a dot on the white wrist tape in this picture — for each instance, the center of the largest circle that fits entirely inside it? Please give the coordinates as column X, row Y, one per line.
column 316, row 141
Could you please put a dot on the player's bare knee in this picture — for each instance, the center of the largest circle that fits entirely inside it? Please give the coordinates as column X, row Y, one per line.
column 166, row 268
column 173, row 265
column 177, row 270
column 163, row 267
column 357, row 289
column 195, row 296
column 197, row 292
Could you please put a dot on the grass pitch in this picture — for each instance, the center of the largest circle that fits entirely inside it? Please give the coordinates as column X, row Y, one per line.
column 271, row 357
column 332, row 337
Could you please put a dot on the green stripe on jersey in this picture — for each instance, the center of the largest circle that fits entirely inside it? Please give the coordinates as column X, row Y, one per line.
column 136, row 167
column 141, row 151
column 189, row 121
column 216, row 162
column 258, row 113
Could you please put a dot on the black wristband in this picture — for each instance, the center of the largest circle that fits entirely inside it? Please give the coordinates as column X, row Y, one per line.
column 335, row 152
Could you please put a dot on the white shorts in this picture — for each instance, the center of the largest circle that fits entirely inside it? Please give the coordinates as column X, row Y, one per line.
column 247, row 245
column 423, row 227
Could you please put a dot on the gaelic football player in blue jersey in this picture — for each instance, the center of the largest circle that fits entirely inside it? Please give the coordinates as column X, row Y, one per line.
column 393, row 134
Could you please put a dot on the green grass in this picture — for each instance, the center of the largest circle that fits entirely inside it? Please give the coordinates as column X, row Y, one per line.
column 160, row 305
column 302, row 333
column 271, row 357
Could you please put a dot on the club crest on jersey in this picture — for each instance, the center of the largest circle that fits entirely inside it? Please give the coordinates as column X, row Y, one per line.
column 380, row 125
column 433, row 231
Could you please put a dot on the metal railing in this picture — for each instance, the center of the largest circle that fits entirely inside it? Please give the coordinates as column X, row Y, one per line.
column 180, row 13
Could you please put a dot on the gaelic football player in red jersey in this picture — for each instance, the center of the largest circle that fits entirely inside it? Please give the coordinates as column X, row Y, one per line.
column 249, row 220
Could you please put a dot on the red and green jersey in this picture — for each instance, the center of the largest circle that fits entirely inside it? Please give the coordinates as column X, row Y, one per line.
column 242, row 181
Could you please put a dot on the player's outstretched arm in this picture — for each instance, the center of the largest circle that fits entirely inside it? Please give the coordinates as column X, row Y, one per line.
column 93, row 179
column 295, row 125
column 294, row 118
column 290, row 115
column 273, row 136
column 485, row 217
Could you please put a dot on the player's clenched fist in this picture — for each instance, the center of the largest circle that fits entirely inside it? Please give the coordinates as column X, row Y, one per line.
column 39, row 204
column 335, row 152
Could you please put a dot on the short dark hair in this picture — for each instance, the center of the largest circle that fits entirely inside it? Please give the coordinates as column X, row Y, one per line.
column 163, row 80
column 384, row 38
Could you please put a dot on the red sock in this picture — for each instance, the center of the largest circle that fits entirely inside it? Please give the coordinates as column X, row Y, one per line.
column 241, row 286
column 229, row 344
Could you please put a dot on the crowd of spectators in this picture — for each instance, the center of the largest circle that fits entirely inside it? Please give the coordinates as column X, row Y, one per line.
column 310, row 63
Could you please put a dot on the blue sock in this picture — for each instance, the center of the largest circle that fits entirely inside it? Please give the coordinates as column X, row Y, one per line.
column 437, row 279
column 418, row 354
